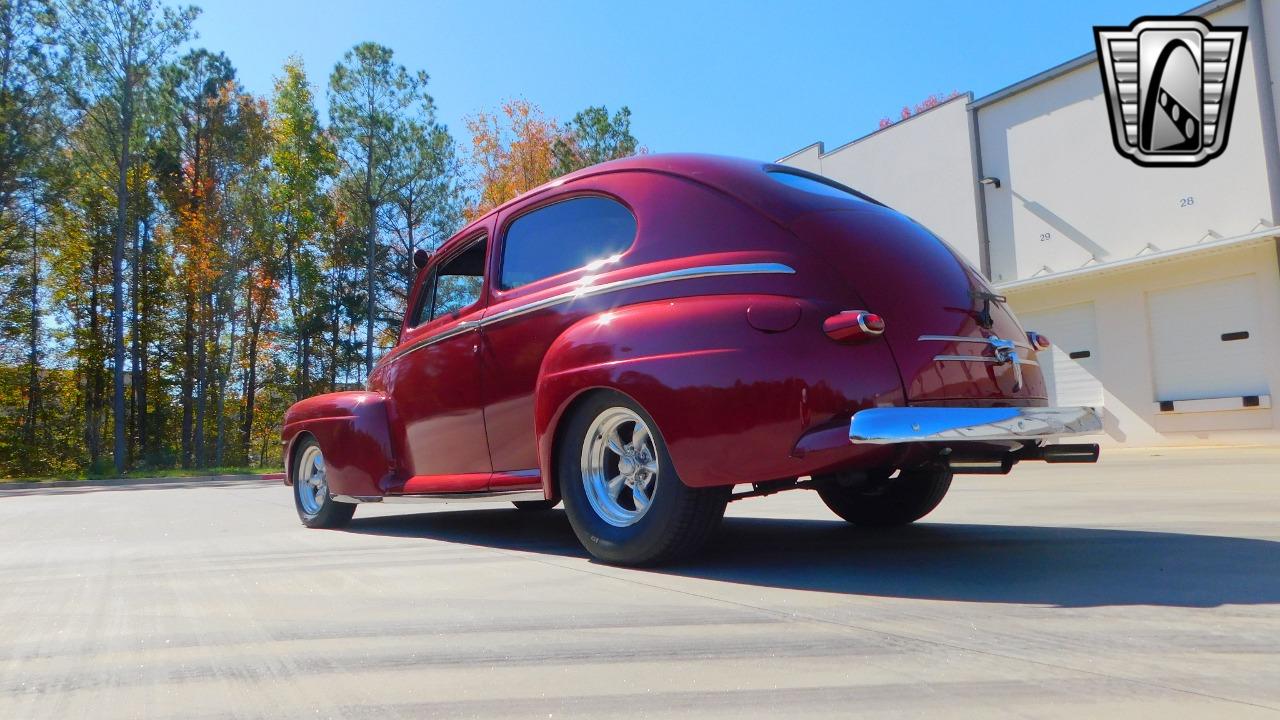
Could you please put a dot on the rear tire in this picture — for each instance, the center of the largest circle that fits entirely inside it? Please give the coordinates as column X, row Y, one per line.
column 889, row 503
column 316, row 507
column 621, row 493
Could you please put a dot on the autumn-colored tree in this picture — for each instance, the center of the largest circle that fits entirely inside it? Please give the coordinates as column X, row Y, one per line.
column 520, row 147
column 512, row 151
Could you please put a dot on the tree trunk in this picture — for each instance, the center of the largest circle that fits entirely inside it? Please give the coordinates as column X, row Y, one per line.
column 368, row 322
column 117, row 276
column 137, row 412
column 251, row 381
column 304, row 389
column 141, row 311
column 202, row 378
column 412, row 272
column 370, row 240
column 33, row 349
column 93, row 370
column 224, row 375
column 336, row 333
column 188, row 373
column 299, row 330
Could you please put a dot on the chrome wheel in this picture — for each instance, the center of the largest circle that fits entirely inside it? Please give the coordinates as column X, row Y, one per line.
column 619, row 466
column 313, row 489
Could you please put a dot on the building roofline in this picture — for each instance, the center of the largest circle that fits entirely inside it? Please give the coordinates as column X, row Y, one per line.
column 817, row 144
column 1092, row 271
column 822, row 152
column 1077, row 62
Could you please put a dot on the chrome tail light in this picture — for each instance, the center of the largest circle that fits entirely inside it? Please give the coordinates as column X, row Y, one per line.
column 853, row 326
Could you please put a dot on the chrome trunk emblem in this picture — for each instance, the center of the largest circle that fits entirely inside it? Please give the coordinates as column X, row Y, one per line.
column 1004, row 352
column 1007, row 352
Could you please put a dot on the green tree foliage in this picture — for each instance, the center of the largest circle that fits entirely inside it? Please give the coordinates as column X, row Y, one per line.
column 181, row 260
column 30, row 126
column 593, row 136
column 113, row 46
column 372, row 103
column 303, row 162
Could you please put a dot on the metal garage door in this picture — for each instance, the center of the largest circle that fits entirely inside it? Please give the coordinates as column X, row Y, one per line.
column 1071, row 366
column 1203, row 340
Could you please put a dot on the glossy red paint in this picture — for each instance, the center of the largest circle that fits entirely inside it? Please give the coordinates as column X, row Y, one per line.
column 440, row 428
column 352, row 428
column 736, row 370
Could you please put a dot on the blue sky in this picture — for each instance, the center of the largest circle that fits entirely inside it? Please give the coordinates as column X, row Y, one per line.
column 755, row 79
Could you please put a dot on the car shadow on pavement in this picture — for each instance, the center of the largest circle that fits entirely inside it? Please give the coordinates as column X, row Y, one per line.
column 1060, row 566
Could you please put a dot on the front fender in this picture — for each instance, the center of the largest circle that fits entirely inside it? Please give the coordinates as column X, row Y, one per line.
column 352, row 429
column 730, row 400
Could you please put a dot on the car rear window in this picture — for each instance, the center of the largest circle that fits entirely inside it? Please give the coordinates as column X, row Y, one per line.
column 564, row 236
column 810, row 185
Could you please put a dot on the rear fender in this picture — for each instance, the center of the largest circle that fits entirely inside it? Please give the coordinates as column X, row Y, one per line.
column 730, row 399
column 352, row 429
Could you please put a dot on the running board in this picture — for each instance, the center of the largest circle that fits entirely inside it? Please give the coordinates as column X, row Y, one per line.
column 472, row 497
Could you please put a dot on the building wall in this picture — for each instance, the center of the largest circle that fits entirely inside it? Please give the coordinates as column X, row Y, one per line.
column 1125, row 362
column 1078, row 234
column 925, row 156
column 1068, row 199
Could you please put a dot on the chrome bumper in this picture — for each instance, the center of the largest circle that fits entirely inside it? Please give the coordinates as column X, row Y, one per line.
column 954, row 424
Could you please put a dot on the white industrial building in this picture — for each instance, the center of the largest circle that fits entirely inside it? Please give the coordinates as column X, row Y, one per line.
column 1160, row 287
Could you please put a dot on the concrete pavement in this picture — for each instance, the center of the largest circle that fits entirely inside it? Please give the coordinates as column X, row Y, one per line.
column 1146, row 586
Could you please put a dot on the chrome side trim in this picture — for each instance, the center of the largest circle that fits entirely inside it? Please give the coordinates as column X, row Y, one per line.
column 971, row 339
column 885, row 426
column 1005, row 351
column 461, row 328
column 985, row 359
column 495, row 496
column 588, row 290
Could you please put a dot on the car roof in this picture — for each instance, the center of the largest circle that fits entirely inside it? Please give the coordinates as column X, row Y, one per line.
column 746, row 180
column 715, row 170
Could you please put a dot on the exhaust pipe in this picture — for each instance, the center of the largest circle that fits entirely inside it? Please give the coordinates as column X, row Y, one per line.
column 1001, row 464
column 982, row 466
column 1078, row 453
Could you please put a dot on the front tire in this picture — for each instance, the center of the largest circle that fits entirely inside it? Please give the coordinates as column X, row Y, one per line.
column 621, row 493
column 888, row 502
column 316, row 507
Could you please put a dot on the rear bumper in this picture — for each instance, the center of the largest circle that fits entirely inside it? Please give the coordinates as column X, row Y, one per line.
column 883, row 426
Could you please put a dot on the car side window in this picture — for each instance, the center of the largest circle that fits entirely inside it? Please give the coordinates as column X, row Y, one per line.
column 564, row 236
column 458, row 281
column 422, row 307
column 453, row 285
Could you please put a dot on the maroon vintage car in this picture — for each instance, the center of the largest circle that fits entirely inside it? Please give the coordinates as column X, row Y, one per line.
column 640, row 337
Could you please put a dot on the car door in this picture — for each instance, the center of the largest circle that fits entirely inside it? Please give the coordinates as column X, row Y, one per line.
column 435, row 376
column 547, row 248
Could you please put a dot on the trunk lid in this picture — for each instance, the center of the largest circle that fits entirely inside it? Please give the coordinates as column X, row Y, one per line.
column 953, row 337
